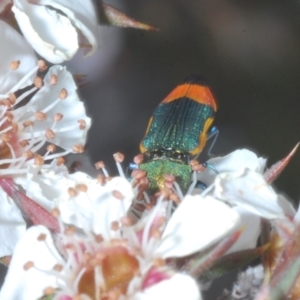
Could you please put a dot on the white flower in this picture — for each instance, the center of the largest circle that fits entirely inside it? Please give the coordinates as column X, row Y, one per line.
column 52, row 26
column 54, row 114
column 240, row 182
column 132, row 266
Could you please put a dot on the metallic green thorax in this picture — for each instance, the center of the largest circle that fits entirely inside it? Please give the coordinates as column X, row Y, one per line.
column 177, row 125
column 157, row 169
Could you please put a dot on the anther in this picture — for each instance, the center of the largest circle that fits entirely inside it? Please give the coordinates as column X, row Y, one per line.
column 82, row 124
column 49, row 133
column 42, row 65
column 138, row 159
column 58, row 267
column 5, row 102
column 57, row 117
column 28, row 154
column 38, row 82
column 101, row 179
column 12, row 98
column 28, row 265
column 60, row 161
column 81, row 187
column 53, row 80
column 48, row 291
column 55, row 212
column 9, row 116
column 15, row 127
column 155, row 233
column 38, row 160
column 138, row 174
column 119, row 157
column 14, row 65
column 24, row 143
column 99, row 165
column 98, row 238
column 63, row 94
column 70, row 230
column 118, row 195
column 193, row 162
column 72, row 192
column 159, row 262
column 40, row 116
column 42, row 237
column 114, row 225
column 78, row 148
column 27, row 124
column 51, row 148
column 5, row 137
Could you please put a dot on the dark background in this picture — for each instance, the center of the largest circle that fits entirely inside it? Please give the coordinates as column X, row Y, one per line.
column 249, row 52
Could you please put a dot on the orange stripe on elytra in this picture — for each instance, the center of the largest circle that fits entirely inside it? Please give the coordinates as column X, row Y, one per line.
column 196, row 92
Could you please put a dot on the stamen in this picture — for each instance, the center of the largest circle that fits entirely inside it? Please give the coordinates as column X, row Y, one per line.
column 72, row 192
column 60, row 160
column 152, row 216
column 28, row 154
column 12, row 98
column 119, row 157
column 57, row 117
column 38, row 160
column 78, row 148
column 138, row 159
column 114, row 225
column 48, row 291
column 14, row 65
column 38, row 82
column 53, row 80
column 82, row 124
column 49, row 133
column 51, row 148
column 63, row 94
column 58, row 267
column 40, row 116
column 42, row 65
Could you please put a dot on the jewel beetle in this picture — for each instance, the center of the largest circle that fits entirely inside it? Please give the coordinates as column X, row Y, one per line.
column 177, row 132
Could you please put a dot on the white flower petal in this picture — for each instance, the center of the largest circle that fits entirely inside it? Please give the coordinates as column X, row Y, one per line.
column 12, row 225
column 44, row 186
column 15, row 48
column 233, row 162
column 249, row 236
column 67, row 130
column 98, row 208
column 82, row 15
column 23, row 285
column 49, row 32
column 249, row 190
column 92, row 210
column 197, row 223
column 178, row 287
